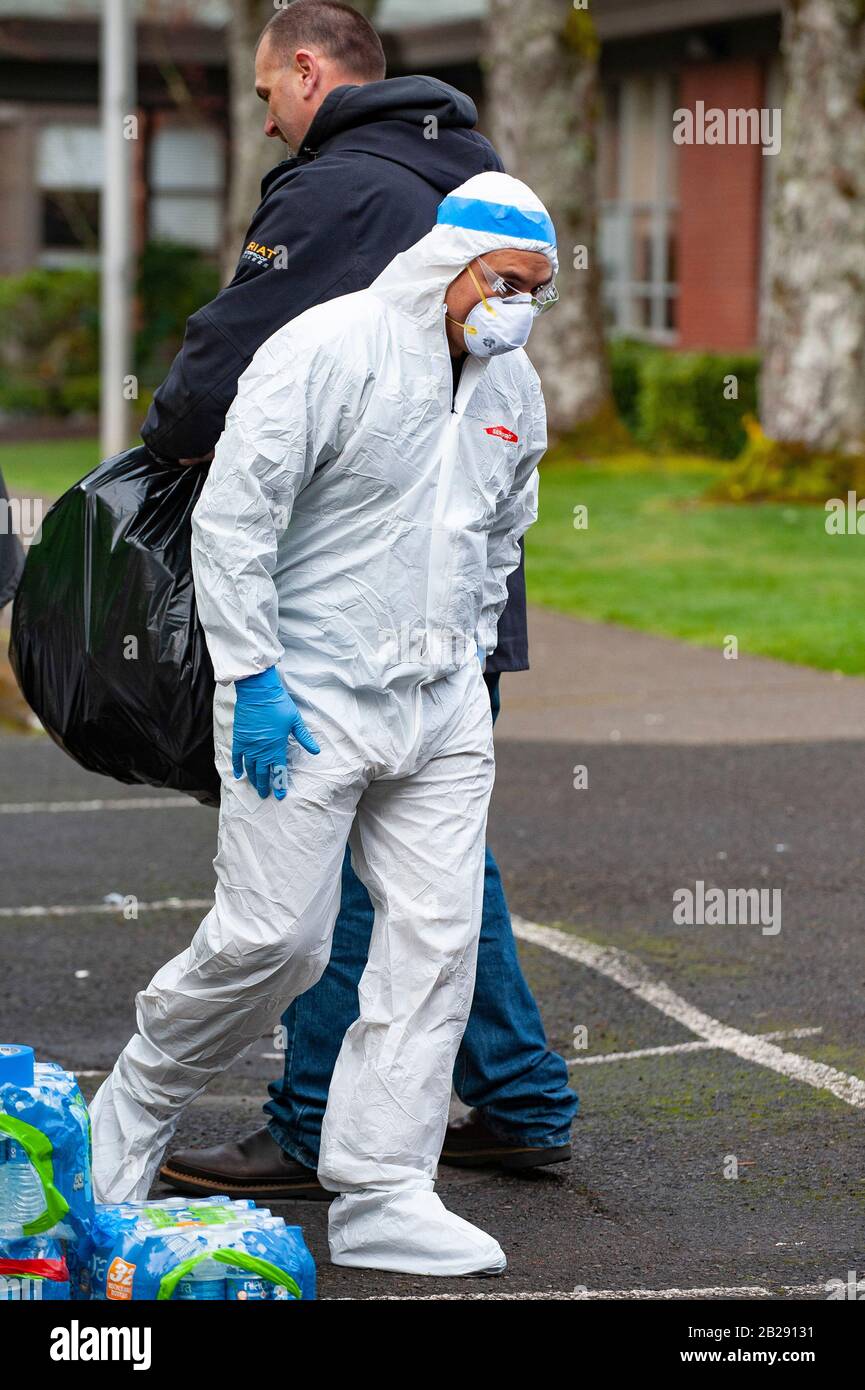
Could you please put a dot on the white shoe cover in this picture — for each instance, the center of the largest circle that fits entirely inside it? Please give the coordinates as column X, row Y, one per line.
column 408, row 1232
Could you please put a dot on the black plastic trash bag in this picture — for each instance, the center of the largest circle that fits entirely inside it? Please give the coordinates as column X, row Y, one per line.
column 106, row 643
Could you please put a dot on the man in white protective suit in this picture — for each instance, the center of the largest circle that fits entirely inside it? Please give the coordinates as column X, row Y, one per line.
column 351, row 548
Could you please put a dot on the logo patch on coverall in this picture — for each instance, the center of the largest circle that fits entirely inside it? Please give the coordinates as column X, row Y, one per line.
column 502, row 432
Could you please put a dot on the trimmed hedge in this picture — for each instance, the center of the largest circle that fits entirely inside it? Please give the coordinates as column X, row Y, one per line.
column 627, row 358
column 49, row 330
column 675, row 401
column 49, row 356
column 49, row 340
column 173, row 281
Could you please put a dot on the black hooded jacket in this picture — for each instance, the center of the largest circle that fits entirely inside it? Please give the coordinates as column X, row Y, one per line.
column 365, row 185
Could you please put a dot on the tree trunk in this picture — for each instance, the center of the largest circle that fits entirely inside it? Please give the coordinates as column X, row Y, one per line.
column 813, row 377
column 542, row 85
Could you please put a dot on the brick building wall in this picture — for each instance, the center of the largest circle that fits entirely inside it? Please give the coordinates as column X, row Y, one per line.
column 720, row 215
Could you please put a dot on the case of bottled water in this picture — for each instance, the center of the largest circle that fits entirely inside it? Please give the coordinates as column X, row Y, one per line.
column 210, row 1248
column 46, row 1198
column 55, row 1243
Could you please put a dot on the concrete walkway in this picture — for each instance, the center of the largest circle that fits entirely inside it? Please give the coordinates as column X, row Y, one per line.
column 596, row 683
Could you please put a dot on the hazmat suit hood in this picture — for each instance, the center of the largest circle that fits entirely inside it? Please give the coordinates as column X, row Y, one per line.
column 489, row 212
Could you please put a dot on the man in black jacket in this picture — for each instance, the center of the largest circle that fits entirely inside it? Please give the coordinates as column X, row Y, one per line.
column 373, row 160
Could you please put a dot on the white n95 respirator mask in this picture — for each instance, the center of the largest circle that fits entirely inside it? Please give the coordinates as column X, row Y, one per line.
column 497, row 325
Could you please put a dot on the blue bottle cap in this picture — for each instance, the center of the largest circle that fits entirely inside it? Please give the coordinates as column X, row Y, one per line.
column 17, row 1064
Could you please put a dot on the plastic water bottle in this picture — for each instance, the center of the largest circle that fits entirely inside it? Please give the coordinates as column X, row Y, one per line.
column 243, row 1287
column 42, row 1097
column 21, row 1196
column 205, row 1281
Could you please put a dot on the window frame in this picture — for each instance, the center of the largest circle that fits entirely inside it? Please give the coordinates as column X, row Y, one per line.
column 621, row 290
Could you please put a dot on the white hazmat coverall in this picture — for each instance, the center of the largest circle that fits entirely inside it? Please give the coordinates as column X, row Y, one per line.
column 357, row 532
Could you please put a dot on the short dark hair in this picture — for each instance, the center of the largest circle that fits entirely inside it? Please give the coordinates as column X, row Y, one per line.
column 343, row 34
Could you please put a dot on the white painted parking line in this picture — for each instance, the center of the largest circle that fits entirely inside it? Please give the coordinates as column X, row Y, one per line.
column 87, row 909
column 670, row 1048
column 734, row 1291
column 629, row 972
column 206, row 1102
column 664, row 1051
column 624, row 969
column 129, row 803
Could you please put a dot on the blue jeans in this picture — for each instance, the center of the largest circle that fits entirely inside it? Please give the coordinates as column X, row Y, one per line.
column 504, row 1068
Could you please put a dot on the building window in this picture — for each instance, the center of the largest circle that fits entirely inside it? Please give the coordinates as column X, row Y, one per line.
column 187, row 176
column 68, row 179
column 637, row 171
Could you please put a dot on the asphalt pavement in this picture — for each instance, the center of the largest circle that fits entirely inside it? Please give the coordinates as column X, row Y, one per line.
column 721, row 1068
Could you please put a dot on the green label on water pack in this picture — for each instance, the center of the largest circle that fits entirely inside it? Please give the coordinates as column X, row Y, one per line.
column 189, row 1216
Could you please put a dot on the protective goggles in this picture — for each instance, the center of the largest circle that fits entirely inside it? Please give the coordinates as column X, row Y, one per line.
column 543, row 297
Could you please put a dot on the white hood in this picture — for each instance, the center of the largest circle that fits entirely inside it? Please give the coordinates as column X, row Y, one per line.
column 490, row 212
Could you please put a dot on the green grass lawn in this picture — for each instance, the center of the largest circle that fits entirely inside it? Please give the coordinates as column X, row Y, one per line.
column 654, row 556
column 47, row 468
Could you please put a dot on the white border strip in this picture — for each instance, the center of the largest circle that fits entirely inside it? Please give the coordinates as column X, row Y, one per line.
column 129, row 803
column 624, row 969
column 89, row 909
column 632, row 975
column 744, row 1291
column 668, row 1049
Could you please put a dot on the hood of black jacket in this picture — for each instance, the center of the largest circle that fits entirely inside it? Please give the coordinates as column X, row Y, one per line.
column 395, row 99
column 379, row 113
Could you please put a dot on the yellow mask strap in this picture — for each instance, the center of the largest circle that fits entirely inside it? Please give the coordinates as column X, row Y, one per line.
column 480, row 289
column 469, row 328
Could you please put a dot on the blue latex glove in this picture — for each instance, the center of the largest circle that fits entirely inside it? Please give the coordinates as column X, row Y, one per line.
column 265, row 716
